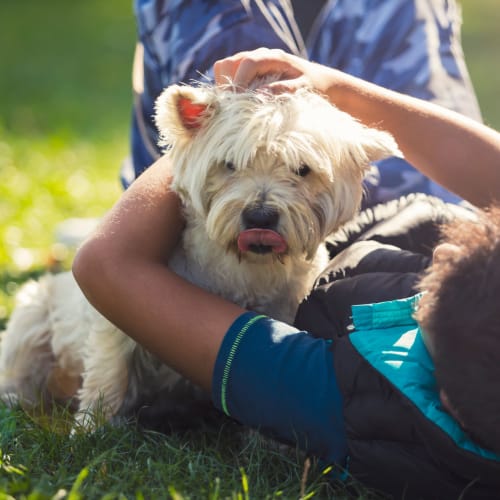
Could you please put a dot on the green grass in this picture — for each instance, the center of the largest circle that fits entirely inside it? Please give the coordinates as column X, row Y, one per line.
column 123, row 462
column 213, row 463
column 64, row 116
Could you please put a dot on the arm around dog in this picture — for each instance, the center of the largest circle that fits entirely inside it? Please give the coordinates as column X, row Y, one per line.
column 262, row 372
column 122, row 269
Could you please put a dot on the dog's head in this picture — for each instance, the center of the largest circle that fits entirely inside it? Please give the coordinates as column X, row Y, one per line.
column 266, row 174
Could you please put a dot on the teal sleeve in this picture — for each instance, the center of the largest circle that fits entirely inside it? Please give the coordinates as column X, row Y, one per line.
column 281, row 381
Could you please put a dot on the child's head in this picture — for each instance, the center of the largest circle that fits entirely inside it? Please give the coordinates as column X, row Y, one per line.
column 460, row 317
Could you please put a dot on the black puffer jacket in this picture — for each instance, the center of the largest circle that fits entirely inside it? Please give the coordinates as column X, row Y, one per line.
column 377, row 256
column 392, row 445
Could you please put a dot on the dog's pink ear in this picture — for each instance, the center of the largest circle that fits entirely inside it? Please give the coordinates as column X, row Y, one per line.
column 190, row 113
column 181, row 110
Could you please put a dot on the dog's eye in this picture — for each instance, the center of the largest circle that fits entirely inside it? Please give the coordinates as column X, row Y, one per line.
column 230, row 165
column 303, row 170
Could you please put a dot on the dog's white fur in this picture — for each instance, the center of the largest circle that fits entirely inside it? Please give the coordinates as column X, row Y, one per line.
column 292, row 155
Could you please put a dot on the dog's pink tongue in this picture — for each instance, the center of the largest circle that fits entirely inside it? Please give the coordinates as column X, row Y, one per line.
column 261, row 238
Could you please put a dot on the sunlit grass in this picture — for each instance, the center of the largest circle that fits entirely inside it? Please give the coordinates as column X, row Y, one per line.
column 45, row 181
column 123, row 462
column 50, row 179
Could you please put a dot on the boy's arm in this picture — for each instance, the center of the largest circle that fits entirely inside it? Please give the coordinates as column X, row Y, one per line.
column 455, row 151
column 122, row 269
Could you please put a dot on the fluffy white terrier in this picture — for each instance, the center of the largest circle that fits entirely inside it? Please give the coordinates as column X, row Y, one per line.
column 264, row 179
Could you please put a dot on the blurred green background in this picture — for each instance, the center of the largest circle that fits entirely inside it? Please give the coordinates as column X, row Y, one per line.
column 481, row 43
column 64, row 114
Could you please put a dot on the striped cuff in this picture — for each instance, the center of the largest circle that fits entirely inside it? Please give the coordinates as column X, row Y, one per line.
column 230, row 344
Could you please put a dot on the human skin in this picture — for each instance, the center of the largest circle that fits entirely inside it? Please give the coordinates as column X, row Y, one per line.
column 122, row 267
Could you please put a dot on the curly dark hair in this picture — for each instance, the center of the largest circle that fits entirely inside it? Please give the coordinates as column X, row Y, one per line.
column 461, row 317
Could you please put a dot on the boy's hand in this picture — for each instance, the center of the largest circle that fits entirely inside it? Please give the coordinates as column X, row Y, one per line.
column 293, row 72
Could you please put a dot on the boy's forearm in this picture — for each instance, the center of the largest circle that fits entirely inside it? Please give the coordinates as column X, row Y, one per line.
column 454, row 150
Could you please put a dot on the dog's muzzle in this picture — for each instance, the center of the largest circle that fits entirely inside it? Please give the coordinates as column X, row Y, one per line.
column 260, row 235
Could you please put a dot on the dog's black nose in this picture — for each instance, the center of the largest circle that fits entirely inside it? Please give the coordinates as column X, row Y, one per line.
column 260, row 217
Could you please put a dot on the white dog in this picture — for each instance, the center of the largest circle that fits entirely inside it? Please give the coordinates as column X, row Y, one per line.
column 263, row 179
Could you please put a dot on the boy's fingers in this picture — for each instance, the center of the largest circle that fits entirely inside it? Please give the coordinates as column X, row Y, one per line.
column 243, row 68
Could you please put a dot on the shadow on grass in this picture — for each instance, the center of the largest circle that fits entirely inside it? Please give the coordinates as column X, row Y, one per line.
column 128, row 462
